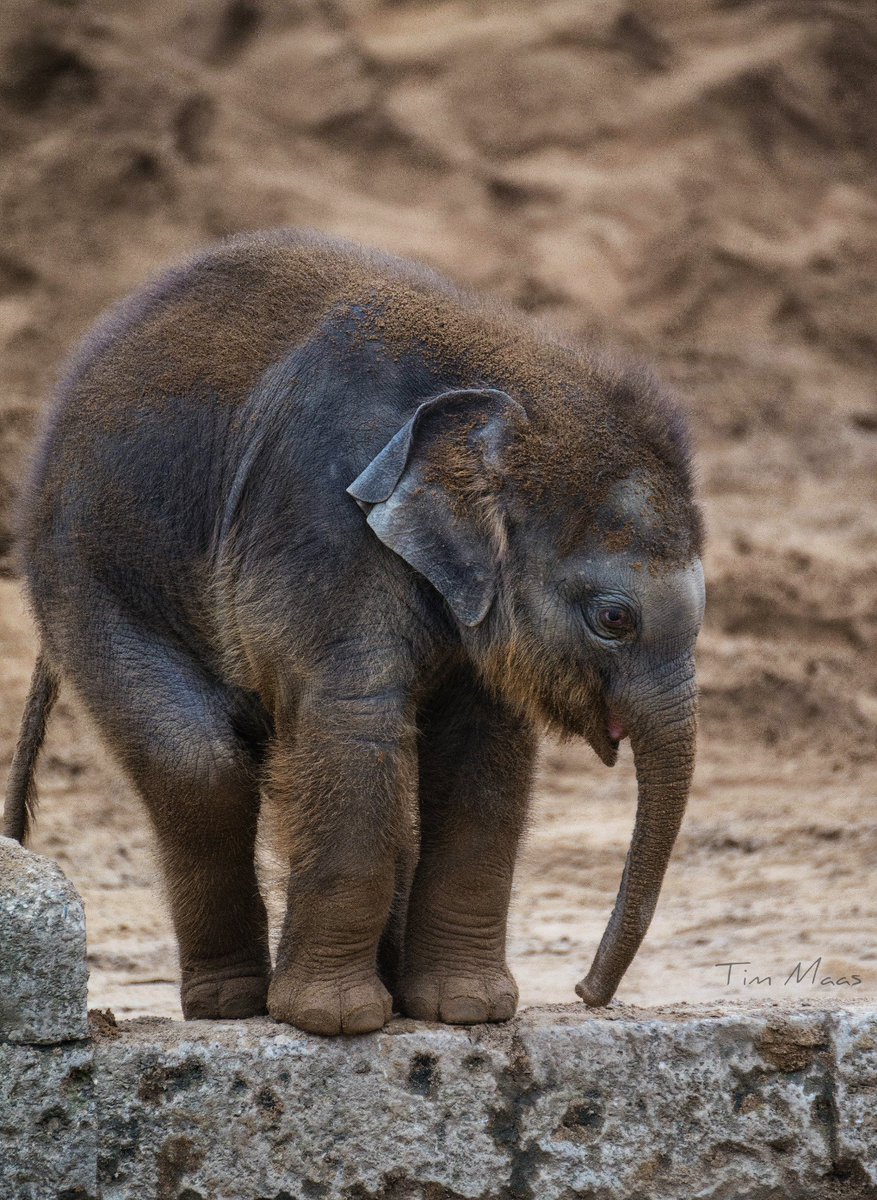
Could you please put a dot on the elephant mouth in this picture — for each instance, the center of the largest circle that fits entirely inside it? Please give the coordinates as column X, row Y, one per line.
column 605, row 734
column 589, row 715
column 616, row 729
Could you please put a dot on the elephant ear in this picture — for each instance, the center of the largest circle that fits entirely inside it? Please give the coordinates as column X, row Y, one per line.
column 431, row 494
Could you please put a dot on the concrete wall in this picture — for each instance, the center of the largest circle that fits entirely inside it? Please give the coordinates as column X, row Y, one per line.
column 756, row 1102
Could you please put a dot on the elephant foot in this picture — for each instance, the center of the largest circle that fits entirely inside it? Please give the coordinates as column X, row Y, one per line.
column 208, row 996
column 458, row 998
column 329, row 1007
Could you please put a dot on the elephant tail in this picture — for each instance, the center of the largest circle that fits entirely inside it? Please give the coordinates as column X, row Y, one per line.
column 21, row 793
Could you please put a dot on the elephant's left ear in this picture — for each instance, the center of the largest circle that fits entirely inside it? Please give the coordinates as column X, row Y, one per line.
column 431, row 495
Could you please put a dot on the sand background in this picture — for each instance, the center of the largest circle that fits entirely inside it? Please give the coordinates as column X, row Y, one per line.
column 693, row 181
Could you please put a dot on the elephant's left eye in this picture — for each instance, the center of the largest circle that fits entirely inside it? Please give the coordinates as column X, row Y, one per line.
column 614, row 619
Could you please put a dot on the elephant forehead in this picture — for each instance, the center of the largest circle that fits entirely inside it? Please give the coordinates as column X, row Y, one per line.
column 634, row 504
column 644, row 519
column 669, row 598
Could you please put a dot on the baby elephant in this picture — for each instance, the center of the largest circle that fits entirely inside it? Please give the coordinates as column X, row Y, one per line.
column 310, row 524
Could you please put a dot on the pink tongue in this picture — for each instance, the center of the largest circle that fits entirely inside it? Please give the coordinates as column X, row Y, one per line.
column 616, row 729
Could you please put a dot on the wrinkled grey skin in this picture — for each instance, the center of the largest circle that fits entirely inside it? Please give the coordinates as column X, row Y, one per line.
column 242, row 550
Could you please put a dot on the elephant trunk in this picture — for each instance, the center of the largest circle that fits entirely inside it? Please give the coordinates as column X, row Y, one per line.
column 663, row 750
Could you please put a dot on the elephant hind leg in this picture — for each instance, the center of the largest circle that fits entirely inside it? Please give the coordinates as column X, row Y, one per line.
column 206, row 836
column 176, row 731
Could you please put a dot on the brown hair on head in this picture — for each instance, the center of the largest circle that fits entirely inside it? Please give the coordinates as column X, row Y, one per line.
column 654, row 413
column 594, row 419
column 616, row 422
column 661, row 426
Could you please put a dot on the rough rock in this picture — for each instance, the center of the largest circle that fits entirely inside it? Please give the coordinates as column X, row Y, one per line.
column 759, row 1101
column 728, row 1106
column 558, row 1103
column 255, row 1110
column 48, row 1132
column 853, row 1100
column 43, row 974
column 751, row 1100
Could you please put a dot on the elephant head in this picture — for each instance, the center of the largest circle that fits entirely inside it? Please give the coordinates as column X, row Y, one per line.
column 566, row 541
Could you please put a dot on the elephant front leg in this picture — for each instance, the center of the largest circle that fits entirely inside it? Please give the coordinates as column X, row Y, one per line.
column 476, row 761
column 340, row 787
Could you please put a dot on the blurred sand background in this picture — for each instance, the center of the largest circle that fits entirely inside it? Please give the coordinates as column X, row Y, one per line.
column 693, row 180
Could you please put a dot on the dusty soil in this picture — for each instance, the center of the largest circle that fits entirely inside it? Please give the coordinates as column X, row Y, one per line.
column 692, row 180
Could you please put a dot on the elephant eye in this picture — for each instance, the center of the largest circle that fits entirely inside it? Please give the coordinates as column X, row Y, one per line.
column 613, row 620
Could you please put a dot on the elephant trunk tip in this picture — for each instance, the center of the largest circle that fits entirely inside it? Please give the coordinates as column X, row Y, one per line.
column 594, row 994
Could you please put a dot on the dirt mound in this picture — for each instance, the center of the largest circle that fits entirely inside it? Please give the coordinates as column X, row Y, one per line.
column 694, row 181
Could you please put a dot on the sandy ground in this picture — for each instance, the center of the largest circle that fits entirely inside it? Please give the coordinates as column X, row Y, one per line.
column 694, row 181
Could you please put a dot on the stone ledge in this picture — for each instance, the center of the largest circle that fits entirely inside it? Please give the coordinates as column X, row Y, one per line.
column 756, row 1101
column 43, row 973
